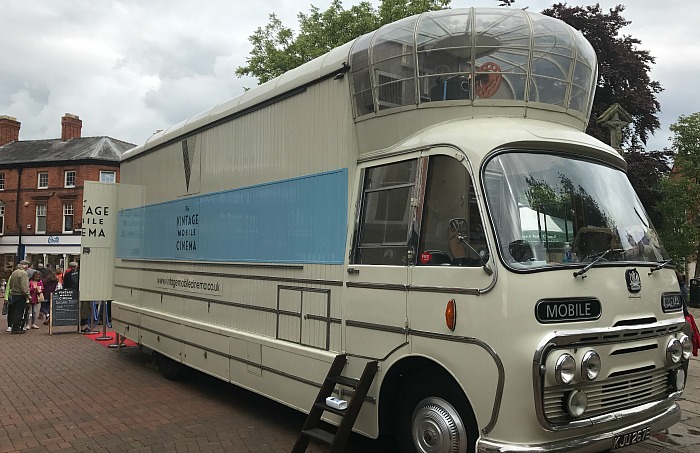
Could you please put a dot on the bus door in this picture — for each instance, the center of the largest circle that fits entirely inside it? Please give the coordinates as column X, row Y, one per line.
column 451, row 249
column 377, row 279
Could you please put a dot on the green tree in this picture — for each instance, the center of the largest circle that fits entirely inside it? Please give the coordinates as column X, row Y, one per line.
column 623, row 70
column 646, row 170
column 681, row 192
column 276, row 49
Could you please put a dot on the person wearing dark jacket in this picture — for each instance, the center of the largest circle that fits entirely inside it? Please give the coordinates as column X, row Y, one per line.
column 71, row 280
column 50, row 283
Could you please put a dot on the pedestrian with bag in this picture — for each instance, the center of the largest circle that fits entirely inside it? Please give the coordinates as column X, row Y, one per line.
column 36, row 297
column 19, row 293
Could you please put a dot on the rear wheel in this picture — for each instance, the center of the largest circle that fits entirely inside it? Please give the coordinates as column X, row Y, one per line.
column 169, row 368
column 435, row 417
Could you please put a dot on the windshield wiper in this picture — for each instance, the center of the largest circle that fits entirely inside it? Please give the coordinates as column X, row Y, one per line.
column 660, row 266
column 592, row 263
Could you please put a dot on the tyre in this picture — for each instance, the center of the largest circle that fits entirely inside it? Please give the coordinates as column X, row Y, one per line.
column 435, row 417
column 169, row 368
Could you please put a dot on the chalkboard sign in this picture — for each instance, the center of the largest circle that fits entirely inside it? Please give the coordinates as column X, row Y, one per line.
column 65, row 309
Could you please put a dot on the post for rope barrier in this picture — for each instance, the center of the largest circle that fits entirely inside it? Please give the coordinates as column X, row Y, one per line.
column 103, row 308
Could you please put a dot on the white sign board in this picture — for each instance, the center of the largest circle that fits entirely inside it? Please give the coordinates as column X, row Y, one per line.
column 98, row 240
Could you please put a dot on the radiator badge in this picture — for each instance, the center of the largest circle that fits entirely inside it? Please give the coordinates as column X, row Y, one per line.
column 634, row 282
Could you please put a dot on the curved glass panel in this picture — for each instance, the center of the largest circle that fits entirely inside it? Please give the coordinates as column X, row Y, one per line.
column 444, row 56
column 394, row 39
column 469, row 54
column 542, row 204
column 360, row 83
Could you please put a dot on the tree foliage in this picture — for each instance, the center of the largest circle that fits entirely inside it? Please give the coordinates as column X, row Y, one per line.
column 681, row 191
column 646, row 170
column 276, row 49
column 623, row 70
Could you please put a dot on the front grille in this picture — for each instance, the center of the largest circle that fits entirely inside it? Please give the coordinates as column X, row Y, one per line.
column 610, row 395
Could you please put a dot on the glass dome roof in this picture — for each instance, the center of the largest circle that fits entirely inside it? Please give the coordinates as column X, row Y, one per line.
column 480, row 56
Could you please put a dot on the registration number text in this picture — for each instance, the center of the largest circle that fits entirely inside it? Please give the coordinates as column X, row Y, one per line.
column 634, row 437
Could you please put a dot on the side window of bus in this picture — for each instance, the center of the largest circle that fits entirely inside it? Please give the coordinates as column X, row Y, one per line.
column 386, row 217
column 452, row 232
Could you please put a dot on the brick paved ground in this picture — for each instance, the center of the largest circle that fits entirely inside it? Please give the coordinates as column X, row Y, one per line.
column 67, row 393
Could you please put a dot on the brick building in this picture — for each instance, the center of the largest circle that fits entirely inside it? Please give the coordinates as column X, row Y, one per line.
column 41, row 190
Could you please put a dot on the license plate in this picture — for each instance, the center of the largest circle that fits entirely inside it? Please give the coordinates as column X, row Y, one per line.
column 631, row 438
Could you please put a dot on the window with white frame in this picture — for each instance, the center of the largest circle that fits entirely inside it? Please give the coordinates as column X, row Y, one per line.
column 2, row 219
column 108, row 176
column 2, row 181
column 43, row 180
column 67, row 218
column 69, row 180
column 40, row 218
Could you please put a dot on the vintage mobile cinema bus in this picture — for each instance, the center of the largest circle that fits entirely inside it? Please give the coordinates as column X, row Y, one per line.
column 423, row 196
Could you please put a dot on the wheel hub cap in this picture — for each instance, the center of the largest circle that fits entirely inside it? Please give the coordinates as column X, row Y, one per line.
column 437, row 427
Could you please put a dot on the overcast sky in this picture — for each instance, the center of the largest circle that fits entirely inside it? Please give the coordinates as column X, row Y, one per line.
column 131, row 67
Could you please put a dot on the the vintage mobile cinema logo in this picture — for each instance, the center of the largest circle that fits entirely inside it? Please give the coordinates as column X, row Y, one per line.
column 549, row 311
column 634, row 282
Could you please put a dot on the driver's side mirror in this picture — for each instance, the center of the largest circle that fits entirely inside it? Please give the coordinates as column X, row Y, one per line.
column 459, row 226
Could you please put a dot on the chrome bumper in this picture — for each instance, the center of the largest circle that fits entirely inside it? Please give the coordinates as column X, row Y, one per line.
column 585, row 444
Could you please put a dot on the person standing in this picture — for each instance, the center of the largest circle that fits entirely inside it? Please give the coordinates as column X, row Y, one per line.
column 684, row 291
column 71, row 280
column 19, row 292
column 6, row 291
column 36, row 296
column 59, row 276
column 50, row 284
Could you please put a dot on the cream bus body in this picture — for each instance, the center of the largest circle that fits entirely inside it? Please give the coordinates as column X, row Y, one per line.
column 311, row 216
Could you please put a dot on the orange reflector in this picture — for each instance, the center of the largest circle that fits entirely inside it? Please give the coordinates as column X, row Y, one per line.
column 451, row 315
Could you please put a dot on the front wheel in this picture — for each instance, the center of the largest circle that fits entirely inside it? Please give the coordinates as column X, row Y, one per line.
column 435, row 418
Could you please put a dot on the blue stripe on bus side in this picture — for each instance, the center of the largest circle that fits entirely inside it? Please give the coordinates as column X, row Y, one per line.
column 299, row 220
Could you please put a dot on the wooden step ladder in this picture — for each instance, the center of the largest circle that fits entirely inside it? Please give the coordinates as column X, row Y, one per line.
column 337, row 440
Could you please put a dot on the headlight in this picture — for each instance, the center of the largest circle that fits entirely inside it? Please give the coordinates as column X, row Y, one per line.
column 576, row 403
column 678, row 379
column 687, row 346
column 565, row 369
column 674, row 351
column 590, row 365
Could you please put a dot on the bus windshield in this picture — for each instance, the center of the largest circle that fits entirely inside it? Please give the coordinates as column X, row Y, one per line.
column 550, row 211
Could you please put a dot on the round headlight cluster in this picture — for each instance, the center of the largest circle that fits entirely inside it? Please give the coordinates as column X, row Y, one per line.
column 565, row 369
column 590, row 365
column 687, row 345
column 674, row 351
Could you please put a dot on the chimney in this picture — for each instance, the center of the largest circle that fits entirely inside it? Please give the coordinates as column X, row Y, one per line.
column 70, row 127
column 9, row 129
